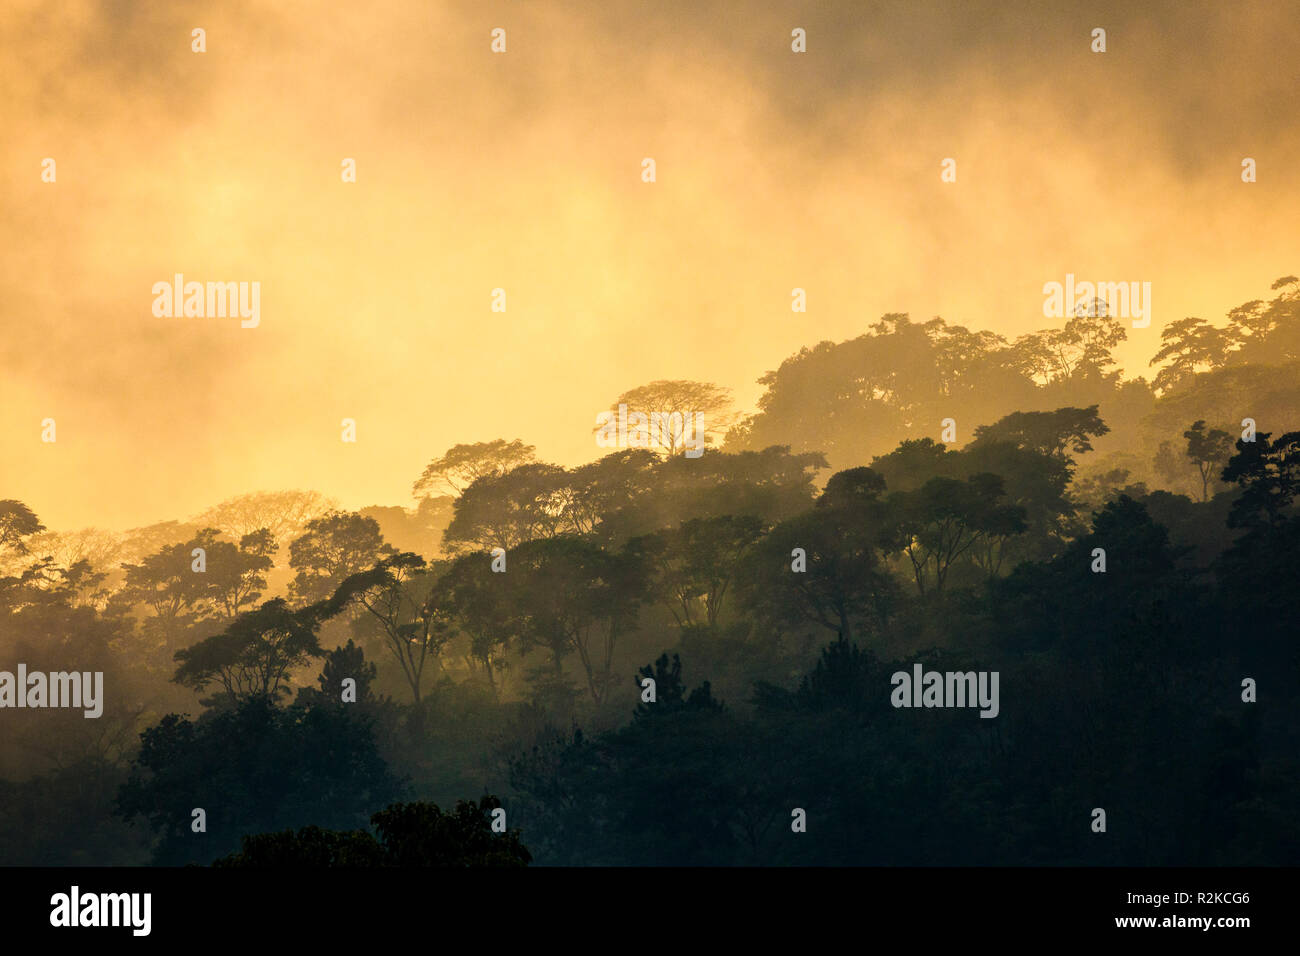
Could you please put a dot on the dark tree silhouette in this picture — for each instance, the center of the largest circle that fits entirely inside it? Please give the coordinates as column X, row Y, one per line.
column 410, row 835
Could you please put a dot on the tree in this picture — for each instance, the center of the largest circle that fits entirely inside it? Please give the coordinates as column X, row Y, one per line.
column 1172, row 468
column 17, row 523
column 695, row 564
column 715, row 802
column 856, row 399
column 139, row 543
column 308, row 848
column 944, row 519
column 419, row 834
column 1142, row 605
column 1050, row 433
column 398, row 594
column 1209, row 451
column 1026, row 454
column 570, row 595
column 342, row 663
column 1033, row 481
column 1080, row 350
column 968, row 363
column 410, row 835
column 477, row 601
column 845, row 678
column 331, row 548
column 282, row 513
column 599, row 490
column 44, row 617
column 180, row 596
column 418, row 529
column 1257, row 574
column 237, row 575
column 505, row 510
column 913, row 463
column 1189, row 346
column 254, row 768
column 182, row 593
column 853, row 490
column 679, row 402
column 844, row 585
column 1268, row 473
column 255, row 653
column 462, row 465
column 670, row 692
column 101, row 549
column 1268, row 332
column 772, row 485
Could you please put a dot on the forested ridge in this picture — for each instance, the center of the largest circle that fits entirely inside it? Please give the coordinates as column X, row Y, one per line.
column 1123, row 552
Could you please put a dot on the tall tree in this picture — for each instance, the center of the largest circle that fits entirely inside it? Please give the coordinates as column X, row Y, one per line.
column 693, row 566
column 679, row 402
column 913, row 463
column 462, row 465
column 17, row 523
column 1268, row 332
column 824, row 567
column 477, row 600
column 101, row 549
column 169, row 583
column 1189, row 346
column 1081, row 349
column 572, row 596
column 599, row 490
column 505, row 510
column 282, row 513
column 1034, row 481
column 331, row 548
column 1209, row 452
column 945, row 518
column 236, row 576
column 399, row 596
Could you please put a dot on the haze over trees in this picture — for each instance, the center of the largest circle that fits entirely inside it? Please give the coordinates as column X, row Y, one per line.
column 667, row 654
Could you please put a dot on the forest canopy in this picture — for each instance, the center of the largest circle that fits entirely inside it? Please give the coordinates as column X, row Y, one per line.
column 658, row 658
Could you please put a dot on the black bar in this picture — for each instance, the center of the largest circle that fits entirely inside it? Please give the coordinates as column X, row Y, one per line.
column 616, row 906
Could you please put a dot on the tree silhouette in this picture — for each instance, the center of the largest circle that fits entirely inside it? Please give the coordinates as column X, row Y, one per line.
column 1269, row 475
column 678, row 402
column 331, row 548
column 463, row 465
column 398, row 595
column 256, row 652
column 1208, row 451
column 410, row 835
column 17, row 523
column 253, row 768
column 1049, row 433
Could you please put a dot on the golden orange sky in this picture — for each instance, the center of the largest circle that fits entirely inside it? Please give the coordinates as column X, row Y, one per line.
column 522, row 171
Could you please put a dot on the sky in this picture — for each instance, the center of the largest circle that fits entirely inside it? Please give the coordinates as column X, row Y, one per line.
column 522, row 171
